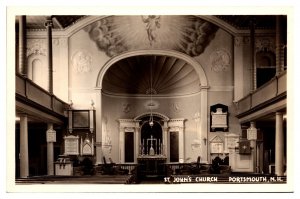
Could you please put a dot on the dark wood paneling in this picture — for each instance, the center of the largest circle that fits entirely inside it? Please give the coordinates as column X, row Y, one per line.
column 129, row 147
column 174, row 151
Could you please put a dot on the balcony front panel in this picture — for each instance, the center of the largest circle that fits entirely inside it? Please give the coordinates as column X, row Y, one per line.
column 58, row 106
column 244, row 104
column 39, row 96
column 265, row 93
column 20, row 85
column 282, row 84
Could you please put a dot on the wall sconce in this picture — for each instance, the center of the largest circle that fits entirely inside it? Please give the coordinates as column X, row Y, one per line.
column 204, row 140
column 92, row 104
column 70, row 104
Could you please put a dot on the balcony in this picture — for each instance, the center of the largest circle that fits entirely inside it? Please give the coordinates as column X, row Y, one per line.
column 31, row 94
column 266, row 95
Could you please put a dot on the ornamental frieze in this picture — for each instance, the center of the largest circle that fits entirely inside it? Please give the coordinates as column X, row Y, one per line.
column 36, row 47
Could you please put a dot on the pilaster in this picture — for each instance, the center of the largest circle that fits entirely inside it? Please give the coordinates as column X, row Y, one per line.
column 203, row 124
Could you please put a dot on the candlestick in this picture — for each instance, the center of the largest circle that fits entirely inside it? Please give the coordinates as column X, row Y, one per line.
column 156, row 152
column 159, row 150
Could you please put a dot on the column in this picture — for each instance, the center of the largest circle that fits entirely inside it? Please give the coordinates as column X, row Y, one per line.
column 253, row 54
column 121, row 145
column 181, row 144
column 279, row 46
column 252, row 136
column 279, row 145
column 203, row 123
column 98, row 144
column 165, row 141
column 24, row 161
column 48, row 25
column 137, row 141
column 51, row 138
column 22, row 46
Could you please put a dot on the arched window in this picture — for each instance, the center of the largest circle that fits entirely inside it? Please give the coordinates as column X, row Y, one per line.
column 37, row 70
column 266, row 67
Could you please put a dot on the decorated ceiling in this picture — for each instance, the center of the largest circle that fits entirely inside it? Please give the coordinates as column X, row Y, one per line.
column 116, row 34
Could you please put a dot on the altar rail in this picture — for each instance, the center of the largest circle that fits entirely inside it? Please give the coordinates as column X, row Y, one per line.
column 269, row 92
column 116, row 169
column 130, row 167
column 187, row 168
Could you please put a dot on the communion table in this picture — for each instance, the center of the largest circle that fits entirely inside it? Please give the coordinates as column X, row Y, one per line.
column 151, row 166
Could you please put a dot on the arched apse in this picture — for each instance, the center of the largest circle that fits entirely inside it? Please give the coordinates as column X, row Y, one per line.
column 197, row 67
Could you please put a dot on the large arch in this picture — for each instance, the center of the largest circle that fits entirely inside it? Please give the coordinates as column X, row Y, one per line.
column 198, row 68
column 202, row 133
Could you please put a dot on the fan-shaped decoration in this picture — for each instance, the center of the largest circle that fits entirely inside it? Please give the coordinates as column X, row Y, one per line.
column 170, row 76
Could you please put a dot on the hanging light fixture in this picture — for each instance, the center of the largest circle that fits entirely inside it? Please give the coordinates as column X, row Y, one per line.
column 151, row 122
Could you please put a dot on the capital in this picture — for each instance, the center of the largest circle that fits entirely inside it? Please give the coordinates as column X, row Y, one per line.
column 48, row 22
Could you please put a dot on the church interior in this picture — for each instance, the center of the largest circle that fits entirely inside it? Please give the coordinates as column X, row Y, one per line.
column 128, row 99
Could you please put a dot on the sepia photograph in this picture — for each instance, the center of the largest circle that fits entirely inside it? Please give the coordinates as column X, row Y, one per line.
column 149, row 101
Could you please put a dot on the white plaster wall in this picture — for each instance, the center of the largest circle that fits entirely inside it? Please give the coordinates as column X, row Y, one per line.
column 83, row 82
column 113, row 109
column 60, row 68
column 222, row 41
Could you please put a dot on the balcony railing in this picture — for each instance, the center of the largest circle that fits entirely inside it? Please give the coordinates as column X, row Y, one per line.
column 272, row 90
column 31, row 92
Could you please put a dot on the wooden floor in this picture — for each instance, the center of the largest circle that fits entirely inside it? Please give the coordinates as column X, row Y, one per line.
column 103, row 179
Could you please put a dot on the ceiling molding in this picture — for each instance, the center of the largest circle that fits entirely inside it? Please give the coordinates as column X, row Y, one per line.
column 144, row 96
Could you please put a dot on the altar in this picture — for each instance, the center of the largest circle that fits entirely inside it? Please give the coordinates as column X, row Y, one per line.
column 151, row 160
column 151, row 166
